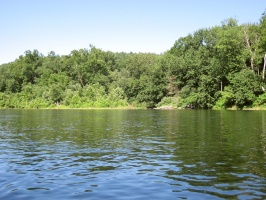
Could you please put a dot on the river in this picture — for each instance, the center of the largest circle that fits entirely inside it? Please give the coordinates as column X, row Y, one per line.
column 132, row 154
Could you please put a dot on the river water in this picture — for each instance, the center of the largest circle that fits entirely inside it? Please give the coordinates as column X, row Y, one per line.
column 132, row 154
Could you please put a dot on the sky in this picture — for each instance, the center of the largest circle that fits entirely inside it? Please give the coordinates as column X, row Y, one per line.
column 111, row 25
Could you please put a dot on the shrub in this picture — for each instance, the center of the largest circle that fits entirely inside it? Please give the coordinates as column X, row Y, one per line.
column 168, row 101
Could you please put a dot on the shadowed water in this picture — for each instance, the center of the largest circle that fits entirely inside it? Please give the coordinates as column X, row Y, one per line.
column 132, row 154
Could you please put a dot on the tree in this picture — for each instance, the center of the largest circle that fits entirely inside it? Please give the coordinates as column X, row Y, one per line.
column 244, row 86
column 30, row 63
column 262, row 34
column 229, row 48
column 251, row 38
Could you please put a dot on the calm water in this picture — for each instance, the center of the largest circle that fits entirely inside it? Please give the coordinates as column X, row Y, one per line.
column 132, row 154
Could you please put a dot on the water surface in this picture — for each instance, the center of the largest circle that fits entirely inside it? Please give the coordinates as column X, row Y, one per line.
column 132, row 154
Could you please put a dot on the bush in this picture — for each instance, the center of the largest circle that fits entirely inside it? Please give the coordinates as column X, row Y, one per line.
column 244, row 84
column 190, row 101
column 261, row 100
column 226, row 100
column 168, row 101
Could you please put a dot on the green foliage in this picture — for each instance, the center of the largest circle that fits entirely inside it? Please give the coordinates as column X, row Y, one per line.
column 261, row 100
column 244, row 85
column 262, row 33
column 189, row 101
column 168, row 101
column 116, row 94
column 217, row 67
column 226, row 100
column 2, row 100
column 241, row 92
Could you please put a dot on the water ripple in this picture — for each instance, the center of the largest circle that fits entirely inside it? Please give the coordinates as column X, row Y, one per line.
column 131, row 156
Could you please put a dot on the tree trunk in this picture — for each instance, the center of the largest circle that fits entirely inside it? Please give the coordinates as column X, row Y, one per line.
column 249, row 48
column 263, row 72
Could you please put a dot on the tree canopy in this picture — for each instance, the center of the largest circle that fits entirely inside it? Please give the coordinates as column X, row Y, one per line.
column 217, row 67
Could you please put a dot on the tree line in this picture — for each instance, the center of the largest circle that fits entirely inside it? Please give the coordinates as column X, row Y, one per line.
column 217, row 67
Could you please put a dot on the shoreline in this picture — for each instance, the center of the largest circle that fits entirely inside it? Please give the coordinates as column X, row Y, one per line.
column 132, row 108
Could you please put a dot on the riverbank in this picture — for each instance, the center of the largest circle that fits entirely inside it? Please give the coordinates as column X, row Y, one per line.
column 129, row 107
column 62, row 107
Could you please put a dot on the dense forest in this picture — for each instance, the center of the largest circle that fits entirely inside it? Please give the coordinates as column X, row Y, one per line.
column 219, row 67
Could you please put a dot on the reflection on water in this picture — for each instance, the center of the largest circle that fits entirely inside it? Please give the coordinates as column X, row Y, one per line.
column 132, row 154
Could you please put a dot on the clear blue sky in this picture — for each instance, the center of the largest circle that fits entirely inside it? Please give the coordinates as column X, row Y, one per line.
column 115, row 25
